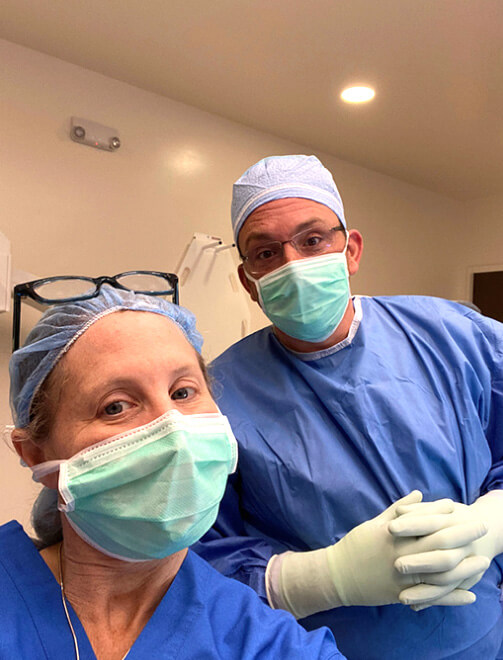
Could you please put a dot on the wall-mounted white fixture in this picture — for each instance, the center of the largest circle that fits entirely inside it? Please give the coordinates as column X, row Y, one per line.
column 210, row 288
column 94, row 135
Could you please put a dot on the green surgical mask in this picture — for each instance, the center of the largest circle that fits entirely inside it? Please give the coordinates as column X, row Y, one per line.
column 306, row 299
column 149, row 492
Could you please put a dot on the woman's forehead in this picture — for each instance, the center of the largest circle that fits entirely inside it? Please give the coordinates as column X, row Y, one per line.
column 129, row 332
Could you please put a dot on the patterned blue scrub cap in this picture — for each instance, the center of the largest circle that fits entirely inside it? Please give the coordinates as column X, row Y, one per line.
column 277, row 177
column 63, row 324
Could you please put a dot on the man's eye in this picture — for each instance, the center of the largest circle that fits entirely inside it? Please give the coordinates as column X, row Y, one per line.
column 182, row 393
column 116, row 407
column 312, row 241
column 264, row 254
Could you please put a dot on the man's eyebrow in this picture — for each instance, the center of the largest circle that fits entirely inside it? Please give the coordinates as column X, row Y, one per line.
column 261, row 236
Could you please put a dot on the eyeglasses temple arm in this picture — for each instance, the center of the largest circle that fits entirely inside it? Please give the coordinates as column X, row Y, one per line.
column 16, row 320
column 175, row 289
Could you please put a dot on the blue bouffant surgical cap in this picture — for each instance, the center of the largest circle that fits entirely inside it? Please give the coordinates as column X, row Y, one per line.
column 63, row 324
column 278, row 177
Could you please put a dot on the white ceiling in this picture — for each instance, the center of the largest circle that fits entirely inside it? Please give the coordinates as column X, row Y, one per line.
column 279, row 66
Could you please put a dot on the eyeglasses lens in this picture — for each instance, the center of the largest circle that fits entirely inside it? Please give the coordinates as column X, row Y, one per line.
column 65, row 288
column 269, row 256
column 145, row 283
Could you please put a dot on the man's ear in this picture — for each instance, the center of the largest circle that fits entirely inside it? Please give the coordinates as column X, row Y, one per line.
column 32, row 454
column 354, row 251
column 249, row 286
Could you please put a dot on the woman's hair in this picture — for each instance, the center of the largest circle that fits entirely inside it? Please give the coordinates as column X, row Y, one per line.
column 45, row 517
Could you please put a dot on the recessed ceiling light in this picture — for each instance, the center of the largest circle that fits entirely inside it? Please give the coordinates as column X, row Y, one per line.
column 357, row 94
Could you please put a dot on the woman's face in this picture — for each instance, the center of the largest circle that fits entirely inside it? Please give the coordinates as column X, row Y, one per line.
column 126, row 370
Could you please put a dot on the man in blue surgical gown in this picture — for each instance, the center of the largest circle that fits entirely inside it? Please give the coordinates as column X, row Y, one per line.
column 341, row 407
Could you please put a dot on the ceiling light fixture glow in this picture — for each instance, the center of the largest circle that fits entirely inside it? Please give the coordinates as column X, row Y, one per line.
column 357, row 94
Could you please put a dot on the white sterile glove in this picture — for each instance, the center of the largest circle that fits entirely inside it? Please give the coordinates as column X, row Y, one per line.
column 448, row 532
column 360, row 568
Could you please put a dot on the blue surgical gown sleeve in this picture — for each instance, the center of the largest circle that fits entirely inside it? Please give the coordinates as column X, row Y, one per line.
column 493, row 411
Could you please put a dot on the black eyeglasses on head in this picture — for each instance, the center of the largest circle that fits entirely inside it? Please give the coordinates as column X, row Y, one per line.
column 69, row 288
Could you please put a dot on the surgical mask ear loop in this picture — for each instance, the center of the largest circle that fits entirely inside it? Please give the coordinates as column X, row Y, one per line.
column 43, row 469
column 250, row 278
column 9, row 442
column 345, row 252
column 7, row 436
column 347, row 242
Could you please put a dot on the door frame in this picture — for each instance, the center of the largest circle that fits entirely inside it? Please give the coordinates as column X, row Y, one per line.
column 478, row 269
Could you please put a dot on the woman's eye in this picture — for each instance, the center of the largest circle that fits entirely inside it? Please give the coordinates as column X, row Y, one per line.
column 182, row 393
column 116, row 407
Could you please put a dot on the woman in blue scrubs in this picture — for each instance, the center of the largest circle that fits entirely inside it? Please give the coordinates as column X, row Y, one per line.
column 114, row 417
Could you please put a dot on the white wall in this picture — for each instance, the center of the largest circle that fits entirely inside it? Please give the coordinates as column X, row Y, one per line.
column 68, row 208
column 480, row 245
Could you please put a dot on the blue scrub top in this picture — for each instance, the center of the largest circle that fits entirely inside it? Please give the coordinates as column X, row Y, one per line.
column 413, row 400
column 202, row 615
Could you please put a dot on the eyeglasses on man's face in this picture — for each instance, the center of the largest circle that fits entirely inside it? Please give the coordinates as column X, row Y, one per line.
column 69, row 288
column 263, row 257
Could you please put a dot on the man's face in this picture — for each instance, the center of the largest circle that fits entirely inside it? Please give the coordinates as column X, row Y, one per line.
column 280, row 220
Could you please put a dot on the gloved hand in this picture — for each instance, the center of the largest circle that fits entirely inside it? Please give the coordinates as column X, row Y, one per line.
column 360, row 568
column 448, row 533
